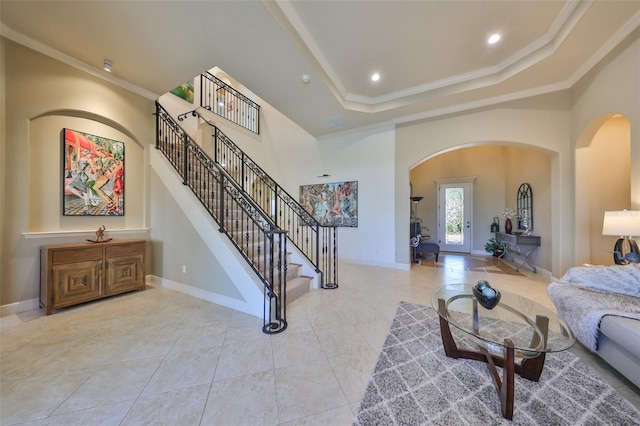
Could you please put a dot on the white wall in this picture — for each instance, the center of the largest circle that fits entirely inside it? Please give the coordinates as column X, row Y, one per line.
column 368, row 159
column 293, row 157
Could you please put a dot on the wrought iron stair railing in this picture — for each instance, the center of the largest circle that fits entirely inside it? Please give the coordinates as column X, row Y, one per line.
column 225, row 101
column 318, row 243
column 251, row 231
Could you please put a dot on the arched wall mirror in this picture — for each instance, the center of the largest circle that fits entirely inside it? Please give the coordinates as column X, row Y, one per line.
column 525, row 208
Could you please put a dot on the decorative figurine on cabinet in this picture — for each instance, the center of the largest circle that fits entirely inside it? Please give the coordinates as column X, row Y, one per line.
column 100, row 236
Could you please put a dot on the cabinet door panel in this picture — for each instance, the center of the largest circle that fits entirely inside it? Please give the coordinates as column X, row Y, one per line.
column 77, row 282
column 124, row 274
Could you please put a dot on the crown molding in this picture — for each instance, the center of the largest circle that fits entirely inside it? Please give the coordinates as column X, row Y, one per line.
column 542, row 48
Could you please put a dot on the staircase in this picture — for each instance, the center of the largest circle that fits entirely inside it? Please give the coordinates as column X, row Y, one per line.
column 317, row 243
column 254, row 233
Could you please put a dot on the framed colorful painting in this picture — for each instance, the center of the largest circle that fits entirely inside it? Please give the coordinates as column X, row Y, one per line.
column 92, row 175
column 184, row 91
column 332, row 204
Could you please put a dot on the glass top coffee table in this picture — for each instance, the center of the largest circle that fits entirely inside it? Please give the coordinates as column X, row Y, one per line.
column 514, row 335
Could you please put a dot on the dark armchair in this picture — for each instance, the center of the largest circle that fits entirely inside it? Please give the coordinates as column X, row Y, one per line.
column 421, row 246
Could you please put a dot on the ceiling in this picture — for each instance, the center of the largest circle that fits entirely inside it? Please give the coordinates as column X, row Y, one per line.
column 432, row 55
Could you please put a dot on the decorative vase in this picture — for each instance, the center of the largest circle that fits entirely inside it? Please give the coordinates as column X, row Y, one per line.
column 508, row 226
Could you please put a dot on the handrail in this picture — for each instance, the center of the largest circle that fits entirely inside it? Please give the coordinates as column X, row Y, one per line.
column 251, row 231
column 318, row 243
column 225, row 101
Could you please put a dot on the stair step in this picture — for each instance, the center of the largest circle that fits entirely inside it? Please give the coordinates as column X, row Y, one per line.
column 293, row 271
column 298, row 287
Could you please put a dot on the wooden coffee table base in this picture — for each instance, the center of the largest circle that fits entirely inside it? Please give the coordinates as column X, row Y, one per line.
column 529, row 368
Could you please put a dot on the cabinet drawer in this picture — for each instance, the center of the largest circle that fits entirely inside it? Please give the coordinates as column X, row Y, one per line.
column 76, row 254
column 532, row 240
column 126, row 250
column 507, row 238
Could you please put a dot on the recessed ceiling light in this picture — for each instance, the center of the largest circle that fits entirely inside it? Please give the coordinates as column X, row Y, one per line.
column 375, row 76
column 107, row 65
column 332, row 122
column 494, row 38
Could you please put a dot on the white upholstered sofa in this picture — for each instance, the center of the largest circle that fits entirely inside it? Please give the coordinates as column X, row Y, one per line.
column 601, row 305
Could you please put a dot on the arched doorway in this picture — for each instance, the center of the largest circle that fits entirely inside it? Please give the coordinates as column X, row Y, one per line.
column 603, row 182
column 499, row 170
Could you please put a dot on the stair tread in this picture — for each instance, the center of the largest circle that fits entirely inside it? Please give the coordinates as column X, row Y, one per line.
column 298, row 278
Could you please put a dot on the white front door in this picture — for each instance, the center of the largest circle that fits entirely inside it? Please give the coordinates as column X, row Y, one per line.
column 455, row 202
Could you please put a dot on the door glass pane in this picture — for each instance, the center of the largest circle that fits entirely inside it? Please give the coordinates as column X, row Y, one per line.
column 454, row 216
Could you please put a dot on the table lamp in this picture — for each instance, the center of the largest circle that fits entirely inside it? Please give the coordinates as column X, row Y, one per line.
column 624, row 224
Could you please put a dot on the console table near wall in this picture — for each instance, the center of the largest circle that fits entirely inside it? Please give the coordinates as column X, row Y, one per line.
column 78, row 273
column 521, row 245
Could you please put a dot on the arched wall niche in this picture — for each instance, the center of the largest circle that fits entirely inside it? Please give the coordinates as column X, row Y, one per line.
column 602, row 182
column 92, row 117
column 499, row 167
column 45, row 174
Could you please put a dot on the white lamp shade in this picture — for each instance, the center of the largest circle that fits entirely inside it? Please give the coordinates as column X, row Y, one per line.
column 622, row 223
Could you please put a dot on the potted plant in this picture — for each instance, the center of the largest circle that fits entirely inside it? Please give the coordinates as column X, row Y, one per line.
column 495, row 247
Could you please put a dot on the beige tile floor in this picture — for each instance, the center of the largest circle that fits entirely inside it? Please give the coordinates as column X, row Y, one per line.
column 161, row 357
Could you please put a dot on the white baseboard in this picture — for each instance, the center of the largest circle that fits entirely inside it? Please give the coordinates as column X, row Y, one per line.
column 18, row 307
column 229, row 302
column 401, row 266
column 153, row 281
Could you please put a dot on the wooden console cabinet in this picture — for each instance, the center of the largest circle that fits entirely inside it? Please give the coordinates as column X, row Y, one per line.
column 77, row 273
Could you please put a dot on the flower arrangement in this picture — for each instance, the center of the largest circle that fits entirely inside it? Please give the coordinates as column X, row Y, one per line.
column 507, row 213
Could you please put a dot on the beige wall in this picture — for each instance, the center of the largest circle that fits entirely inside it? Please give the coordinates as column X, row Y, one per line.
column 3, row 163
column 611, row 88
column 45, row 96
column 176, row 242
column 44, row 200
column 609, row 183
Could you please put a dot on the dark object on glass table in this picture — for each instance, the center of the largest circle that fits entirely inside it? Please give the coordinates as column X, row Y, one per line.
column 487, row 296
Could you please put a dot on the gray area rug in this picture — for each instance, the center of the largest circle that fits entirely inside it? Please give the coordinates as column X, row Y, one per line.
column 415, row 383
